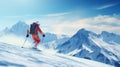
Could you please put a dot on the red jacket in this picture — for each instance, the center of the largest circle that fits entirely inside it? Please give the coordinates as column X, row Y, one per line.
column 37, row 29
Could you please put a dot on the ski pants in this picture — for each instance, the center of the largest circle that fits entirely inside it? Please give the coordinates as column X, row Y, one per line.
column 36, row 39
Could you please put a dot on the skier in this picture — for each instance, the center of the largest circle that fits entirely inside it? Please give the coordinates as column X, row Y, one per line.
column 34, row 29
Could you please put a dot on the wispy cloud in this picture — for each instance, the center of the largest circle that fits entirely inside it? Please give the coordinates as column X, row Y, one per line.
column 100, row 23
column 57, row 14
column 106, row 20
column 106, row 6
column 95, row 24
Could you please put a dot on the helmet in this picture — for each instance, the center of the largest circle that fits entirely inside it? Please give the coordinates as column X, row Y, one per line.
column 37, row 22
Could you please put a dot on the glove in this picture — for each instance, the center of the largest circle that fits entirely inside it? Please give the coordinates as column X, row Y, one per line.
column 27, row 35
column 43, row 35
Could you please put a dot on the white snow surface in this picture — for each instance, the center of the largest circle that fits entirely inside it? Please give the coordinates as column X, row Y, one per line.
column 15, row 56
column 88, row 49
column 115, row 49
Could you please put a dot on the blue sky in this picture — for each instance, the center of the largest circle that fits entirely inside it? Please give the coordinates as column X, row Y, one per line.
column 67, row 15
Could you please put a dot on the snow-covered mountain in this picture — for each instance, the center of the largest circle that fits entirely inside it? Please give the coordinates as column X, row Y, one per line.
column 110, row 37
column 104, row 47
column 18, row 29
column 14, row 56
column 53, row 44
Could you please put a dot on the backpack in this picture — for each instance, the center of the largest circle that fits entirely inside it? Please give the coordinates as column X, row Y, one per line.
column 32, row 28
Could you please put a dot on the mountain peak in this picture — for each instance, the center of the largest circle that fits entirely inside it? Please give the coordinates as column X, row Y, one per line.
column 106, row 33
column 82, row 32
column 21, row 23
column 19, row 28
column 110, row 37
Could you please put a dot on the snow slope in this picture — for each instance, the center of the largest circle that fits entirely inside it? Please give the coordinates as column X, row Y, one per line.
column 14, row 56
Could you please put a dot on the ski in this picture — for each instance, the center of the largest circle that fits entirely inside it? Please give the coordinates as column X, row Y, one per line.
column 36, row 49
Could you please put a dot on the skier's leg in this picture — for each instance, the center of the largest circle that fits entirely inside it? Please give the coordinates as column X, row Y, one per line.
column 34, row 38
column 37, row 41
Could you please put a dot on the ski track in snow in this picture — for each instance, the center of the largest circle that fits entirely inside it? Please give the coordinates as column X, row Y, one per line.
column 14, row 56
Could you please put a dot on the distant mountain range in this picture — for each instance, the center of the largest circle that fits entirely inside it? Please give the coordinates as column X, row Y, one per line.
column 104, row 47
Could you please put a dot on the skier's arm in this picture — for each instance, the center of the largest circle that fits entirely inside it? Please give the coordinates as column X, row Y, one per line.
column 28, row 32
column 40, row 30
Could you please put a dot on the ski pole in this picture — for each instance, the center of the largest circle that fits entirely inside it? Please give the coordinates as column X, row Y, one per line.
column 42, row 40
column 43, row 37
column 24, row 42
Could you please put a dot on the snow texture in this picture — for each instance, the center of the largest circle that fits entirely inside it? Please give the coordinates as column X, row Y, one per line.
column 14, row 56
